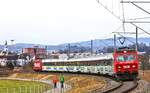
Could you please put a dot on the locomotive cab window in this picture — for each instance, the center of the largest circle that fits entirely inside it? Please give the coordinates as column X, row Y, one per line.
column 124, row 58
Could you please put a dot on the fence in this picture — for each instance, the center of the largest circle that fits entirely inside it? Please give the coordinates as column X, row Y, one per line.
column 25, row 89
column 145, row 89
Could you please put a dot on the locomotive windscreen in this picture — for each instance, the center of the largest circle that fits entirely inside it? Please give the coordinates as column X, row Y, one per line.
column 126, row 58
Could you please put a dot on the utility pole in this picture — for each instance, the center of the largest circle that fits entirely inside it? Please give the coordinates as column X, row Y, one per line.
column 12, row 43
column 114, row 41
column 91, row 47
column 136, row 38
column 46, row 50
column 68, row 51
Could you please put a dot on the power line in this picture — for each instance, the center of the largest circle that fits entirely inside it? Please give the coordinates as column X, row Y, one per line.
column 127, row 32
column 111, row 33
column 141, row 29
column 135, row 1
column 139, row 18
column 137, row 22
column 141, row 8
column 105, row 7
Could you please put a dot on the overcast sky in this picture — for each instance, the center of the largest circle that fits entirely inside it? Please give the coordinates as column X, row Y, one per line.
column 54, row 21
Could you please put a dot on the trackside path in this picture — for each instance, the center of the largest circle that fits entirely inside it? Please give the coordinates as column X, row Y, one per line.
column 56, row 90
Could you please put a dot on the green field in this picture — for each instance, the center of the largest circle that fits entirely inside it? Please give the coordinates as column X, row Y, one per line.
column 16, row 86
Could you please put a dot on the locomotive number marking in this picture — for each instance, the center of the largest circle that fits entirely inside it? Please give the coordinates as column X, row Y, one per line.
column 37, row 64
column 127, row 66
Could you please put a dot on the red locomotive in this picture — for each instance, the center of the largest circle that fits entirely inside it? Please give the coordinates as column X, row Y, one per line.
column 37, row 65
column 126, row 63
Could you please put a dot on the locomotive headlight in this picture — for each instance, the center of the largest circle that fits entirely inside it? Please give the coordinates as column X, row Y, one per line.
column 125, row 51
column 119, row 66
column 133, row 66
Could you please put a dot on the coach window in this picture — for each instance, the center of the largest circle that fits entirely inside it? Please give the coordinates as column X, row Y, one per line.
column 73, row 63
column 45, row 64
column 82, row 63
column 58, row 63
column 66, row 63
column 101, row 69
column 52, row 63
column 102, row 62
column 87, row 64
column 97, row 63
column 70, row 63
column 78, row 63
column 106, row 62
column 61, row 63
column 111, row 61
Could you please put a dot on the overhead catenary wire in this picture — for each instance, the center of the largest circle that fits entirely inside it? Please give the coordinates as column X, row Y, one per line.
column 124, row 20
column 141, row 28
column 127, row 32
column 140, row 8
column 121, row 34
column 137, row 21
column 111, row 34
column 105, row 7
column 139, row 18
column 135, row 2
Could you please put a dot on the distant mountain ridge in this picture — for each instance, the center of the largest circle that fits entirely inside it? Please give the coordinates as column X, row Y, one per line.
column 97, row 43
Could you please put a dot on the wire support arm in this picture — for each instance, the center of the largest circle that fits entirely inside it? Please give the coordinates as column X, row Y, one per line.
column 137, row 22
column 141, row 8
column 135, row 1
column 141, row 29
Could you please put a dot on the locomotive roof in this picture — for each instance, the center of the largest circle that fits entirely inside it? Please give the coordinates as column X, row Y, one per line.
column 99, row 57
column 125, row 49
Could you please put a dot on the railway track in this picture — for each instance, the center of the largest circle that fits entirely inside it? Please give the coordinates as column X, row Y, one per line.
column 112, row 85
column 125, row 87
